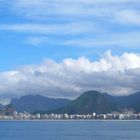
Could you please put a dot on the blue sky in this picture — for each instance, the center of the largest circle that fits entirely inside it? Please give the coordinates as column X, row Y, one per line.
column 31, row 31
column 69, row 41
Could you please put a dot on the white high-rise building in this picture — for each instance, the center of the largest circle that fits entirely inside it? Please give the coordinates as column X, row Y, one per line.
column 15, row 114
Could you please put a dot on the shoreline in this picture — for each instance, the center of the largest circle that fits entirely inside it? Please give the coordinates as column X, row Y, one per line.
column 74, row 120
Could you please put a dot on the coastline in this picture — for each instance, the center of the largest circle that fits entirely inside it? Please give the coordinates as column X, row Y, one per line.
column 74, row 120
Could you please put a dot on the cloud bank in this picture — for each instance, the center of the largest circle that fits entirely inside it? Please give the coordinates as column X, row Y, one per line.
column 117, row 75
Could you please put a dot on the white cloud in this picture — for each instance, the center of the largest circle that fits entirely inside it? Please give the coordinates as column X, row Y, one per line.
column 36, row 41
column 99, row 22
column 55, row 29
column 5, row 101
column 117, row 75
column 126, row 39
column 66, row 10
column 130, row 17
column 87, row 35
column 92, row 22
column 75, row 8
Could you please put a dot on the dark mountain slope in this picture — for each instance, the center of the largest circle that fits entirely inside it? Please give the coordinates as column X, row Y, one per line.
column 89, row 102
column 126, row 101
column 31, row 103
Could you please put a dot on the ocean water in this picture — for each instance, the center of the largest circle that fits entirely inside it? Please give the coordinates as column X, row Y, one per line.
column 69, row 130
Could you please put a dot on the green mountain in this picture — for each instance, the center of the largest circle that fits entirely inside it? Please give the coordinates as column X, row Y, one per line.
column 89, row 102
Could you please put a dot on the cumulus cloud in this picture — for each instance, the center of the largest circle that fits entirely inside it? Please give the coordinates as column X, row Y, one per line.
column 117, row 75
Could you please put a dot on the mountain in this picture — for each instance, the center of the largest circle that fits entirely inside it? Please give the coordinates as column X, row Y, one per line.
column 1, row 106
column 93, row 101
column 7, row 110
column 89, row 102
column 31, row 103
column 126, row 101
column 133, row 101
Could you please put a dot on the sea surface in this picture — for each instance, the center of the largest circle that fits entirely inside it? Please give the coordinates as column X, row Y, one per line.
column 69, row 130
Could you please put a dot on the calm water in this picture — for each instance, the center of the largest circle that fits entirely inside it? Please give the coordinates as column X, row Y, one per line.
column 70, row 130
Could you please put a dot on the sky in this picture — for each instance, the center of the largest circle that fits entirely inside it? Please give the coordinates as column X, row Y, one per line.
column 61, row 48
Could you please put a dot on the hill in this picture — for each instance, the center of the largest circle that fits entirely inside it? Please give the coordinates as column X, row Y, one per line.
column 93, row 101
column 89, row 102
column 31, row 103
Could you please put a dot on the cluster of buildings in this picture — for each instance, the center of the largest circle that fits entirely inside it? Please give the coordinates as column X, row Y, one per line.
column 94, row 116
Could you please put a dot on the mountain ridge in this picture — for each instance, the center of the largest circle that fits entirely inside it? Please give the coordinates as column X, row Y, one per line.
column 31, row 103
column 88, row 102
column 108, row 103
